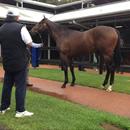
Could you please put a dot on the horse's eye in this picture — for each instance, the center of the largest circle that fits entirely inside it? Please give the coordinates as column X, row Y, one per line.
column 44, row 24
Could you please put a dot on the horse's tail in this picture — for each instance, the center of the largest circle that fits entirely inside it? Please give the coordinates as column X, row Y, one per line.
column 117, row 52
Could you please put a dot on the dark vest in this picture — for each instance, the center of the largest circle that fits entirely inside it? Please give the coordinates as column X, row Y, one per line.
column 15, row 55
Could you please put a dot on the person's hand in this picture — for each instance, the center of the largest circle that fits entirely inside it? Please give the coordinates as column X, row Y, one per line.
column 41, row 44
column 36, row 45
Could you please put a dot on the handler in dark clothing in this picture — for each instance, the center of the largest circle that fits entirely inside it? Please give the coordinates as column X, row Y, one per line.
column 14, row 39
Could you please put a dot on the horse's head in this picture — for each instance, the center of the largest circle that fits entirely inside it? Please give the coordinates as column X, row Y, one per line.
column 40, row 27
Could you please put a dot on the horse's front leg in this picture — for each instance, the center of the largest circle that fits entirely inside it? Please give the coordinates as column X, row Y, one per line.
column 65, row 68
column 65, row 62
column 72, row 73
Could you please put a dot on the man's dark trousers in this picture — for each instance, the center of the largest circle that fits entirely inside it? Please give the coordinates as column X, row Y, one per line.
column 19, row 80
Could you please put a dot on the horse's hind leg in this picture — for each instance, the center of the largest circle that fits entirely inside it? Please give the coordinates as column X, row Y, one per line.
column 106, row 77
column 101, row 64
column 72, row 73
column 109, row 89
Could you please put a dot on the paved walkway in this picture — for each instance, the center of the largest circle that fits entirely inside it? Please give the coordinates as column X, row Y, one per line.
column 116, row 103
column 113, row 102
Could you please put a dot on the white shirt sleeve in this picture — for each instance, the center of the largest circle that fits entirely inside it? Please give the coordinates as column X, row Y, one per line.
column 25, row 35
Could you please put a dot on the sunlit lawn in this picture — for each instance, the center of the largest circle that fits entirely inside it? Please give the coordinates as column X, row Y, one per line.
column 91, row 79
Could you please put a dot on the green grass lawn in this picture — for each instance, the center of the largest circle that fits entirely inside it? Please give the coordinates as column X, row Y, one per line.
column 54, row 114
column 122, row 83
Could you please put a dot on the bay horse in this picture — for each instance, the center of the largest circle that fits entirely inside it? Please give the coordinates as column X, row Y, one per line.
column 102, row 40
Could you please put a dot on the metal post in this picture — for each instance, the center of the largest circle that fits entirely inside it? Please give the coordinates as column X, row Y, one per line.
column 19, row 1
column 22, row 4
column 17, row 4
column 49, row 45
column 82, row 4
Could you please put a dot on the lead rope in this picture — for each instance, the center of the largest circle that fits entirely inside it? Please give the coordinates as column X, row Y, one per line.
column 40, row 49
column 40, row 37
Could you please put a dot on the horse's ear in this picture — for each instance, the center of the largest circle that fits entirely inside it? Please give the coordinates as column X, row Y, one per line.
column 44, row 17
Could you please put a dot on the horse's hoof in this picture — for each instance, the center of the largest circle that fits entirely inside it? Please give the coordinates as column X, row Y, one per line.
column 72, row 84
column 108, row 90
column 63, row 86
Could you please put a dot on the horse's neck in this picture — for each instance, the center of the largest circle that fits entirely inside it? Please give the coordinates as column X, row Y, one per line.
column 55, row 30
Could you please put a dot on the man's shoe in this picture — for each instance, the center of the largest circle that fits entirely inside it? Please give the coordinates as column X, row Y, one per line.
column 23, row 114
column 3, row 111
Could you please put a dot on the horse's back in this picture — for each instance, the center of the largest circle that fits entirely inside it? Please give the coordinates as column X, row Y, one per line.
column 104, row 37
column 100, row 39
column 101, row 32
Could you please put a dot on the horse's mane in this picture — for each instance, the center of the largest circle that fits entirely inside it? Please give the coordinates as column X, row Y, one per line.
column 60, row 28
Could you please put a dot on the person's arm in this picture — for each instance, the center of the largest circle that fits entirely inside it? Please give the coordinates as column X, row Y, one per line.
column 26, row 37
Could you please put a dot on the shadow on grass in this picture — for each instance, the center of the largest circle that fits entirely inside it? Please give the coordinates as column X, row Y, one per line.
column 2, row 127
column 107, row 126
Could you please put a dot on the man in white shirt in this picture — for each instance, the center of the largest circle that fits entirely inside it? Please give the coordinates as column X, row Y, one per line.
column 27, row 38
column 14, row 39
column 28, row 41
